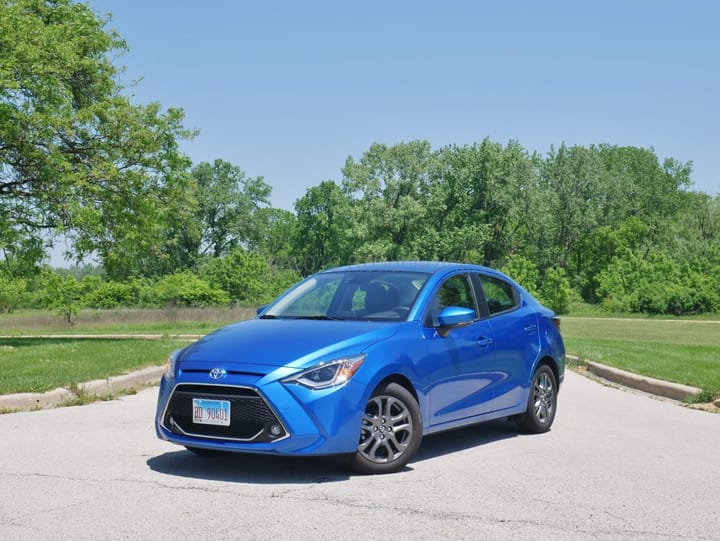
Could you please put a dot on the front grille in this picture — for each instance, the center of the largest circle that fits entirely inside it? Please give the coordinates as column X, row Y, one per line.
column 250, row 416
column 206, row 372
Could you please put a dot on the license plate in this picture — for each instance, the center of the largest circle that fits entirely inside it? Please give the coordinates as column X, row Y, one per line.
column 211, row 412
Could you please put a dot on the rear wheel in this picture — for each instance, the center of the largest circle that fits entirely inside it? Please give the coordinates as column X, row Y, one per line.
column 390, row 433
column 542, row 402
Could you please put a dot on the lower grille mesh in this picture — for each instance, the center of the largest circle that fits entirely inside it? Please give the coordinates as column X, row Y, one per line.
column 250, row 416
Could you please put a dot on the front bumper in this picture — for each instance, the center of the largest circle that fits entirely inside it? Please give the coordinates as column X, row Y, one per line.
column 313, row 422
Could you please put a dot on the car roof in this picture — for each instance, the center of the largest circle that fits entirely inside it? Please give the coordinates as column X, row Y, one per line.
column 430, row 267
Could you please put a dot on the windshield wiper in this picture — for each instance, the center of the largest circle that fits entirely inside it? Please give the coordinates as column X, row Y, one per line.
column 318, row 317
column 321, row 318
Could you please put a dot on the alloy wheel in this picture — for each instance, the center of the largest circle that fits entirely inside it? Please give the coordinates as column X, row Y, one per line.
column 387, row 429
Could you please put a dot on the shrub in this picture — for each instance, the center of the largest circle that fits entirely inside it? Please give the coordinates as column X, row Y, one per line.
column 657, row 284
column 110, row 295
column 524, row 272
column 186, row 289
column 12, row 293
column 555, row 291
column 63, row 296
column 247, row 277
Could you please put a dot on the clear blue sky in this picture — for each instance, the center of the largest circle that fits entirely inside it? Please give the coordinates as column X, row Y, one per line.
column 288, row 90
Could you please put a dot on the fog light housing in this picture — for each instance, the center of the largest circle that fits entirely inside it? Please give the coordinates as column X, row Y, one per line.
column 275, row 430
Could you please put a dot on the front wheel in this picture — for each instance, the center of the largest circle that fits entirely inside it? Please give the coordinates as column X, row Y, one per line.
column 390, row 433
column 542, row 402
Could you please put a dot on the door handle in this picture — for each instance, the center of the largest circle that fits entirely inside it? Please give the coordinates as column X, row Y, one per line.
column 484, row 342
column 530, row 328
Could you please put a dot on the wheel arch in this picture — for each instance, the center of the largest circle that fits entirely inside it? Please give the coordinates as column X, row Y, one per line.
column 550, row 363
column 401, row 380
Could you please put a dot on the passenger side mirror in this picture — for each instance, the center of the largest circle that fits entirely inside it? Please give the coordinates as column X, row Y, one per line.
column 260, row 309
column 452, row 317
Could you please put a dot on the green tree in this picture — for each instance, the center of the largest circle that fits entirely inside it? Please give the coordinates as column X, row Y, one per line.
column 523, row 271
column 171, row 249
column 244, row 276
column 639, row 184
column 321, row 237
column 552, row 287
column 568, row 204
column 696, row 228
column 214, row 210
column 12, row 293
column 77, row 158
column 63, row 295
column 598, row 248
column 479, row 200
column 388, row 190
column 272, row 237
column 228, row 205
column 555, row 290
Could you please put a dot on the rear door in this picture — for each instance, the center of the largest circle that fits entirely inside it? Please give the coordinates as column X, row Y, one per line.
column 516, row 338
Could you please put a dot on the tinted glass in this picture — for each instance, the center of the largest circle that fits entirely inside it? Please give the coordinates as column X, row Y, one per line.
column 499, row 294
column 455, row 291
column 356, row 295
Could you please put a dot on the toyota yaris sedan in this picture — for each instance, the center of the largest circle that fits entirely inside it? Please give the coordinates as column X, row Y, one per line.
column 365, row 360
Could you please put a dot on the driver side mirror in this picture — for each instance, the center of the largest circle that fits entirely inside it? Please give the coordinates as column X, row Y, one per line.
column 452, row 317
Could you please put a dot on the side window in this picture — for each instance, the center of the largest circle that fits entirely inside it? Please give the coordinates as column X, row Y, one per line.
column 499, row 294
column 455, row 291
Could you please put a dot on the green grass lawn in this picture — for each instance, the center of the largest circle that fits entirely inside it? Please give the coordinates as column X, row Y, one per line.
column 682, row 351
column 38, row 365
column 139, row 321
column 679, row 350
column 158, row 328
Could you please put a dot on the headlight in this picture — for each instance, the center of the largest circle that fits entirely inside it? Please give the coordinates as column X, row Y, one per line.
column 328, row 374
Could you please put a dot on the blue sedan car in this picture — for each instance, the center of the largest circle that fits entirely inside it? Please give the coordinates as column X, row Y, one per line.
column 363, row 361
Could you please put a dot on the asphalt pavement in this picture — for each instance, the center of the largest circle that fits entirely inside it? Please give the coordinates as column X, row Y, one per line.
column 616, row 465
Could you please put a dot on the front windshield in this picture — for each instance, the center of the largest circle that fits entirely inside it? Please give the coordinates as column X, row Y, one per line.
column 356, row 295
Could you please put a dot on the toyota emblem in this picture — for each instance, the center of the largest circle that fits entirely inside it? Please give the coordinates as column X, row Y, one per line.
column 217, row 373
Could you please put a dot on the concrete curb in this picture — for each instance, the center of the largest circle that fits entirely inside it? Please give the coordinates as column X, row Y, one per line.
column 141, row 378
column 31, row 401
column 101, row 387
column 658, row 387
column 105, row 336
column 151, row 376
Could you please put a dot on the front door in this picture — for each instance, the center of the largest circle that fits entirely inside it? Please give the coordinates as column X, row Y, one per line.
column 461, row 374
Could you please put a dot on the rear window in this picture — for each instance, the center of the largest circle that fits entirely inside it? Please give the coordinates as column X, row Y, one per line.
column 499, row 294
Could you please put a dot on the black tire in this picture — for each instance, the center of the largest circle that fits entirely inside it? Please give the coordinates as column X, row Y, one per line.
column 391, row 431
column 200, row 451
column 542, row 402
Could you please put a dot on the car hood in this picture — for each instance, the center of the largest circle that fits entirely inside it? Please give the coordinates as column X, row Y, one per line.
column 280, row 342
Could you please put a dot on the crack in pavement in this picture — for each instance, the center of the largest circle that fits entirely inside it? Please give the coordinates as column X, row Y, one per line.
column 308, row 493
